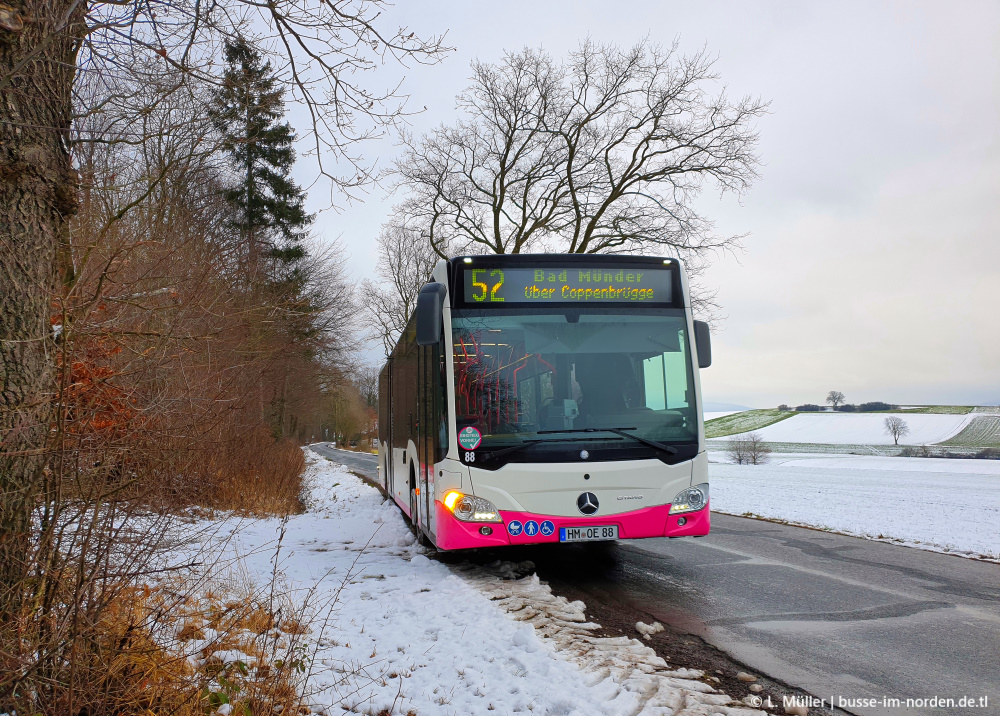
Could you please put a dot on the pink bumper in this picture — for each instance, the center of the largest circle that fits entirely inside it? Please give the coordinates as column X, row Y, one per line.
column 637, row 524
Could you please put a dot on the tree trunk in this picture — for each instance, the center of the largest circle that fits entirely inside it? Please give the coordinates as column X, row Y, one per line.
column 37, row 195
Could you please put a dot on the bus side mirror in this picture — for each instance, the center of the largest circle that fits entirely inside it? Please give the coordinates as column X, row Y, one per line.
column 430, row 303
column 703, row 340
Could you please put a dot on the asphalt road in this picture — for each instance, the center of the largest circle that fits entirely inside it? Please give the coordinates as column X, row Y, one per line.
column 838, row 617
column 362, row 462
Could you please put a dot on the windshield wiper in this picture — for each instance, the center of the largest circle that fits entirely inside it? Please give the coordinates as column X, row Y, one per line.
column 617, row 431
column 491, row 454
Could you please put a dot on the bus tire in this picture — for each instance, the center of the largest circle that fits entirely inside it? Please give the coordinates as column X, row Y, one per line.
column 414, row 508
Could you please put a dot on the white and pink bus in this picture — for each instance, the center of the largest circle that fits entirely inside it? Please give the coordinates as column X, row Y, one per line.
column 548, row 398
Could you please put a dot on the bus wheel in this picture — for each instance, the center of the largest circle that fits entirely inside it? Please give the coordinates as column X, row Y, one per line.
column 422, row 539
column 414, row 523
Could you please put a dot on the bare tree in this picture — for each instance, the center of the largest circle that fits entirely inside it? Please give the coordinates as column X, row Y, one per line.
column 896, row 428
column 748, row 449
column 835, row 398
column 366, row 379
column 604, row 152
column 736, row 450
column 406, row 262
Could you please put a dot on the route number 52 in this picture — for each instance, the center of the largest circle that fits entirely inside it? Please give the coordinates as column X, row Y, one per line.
column 479, row 288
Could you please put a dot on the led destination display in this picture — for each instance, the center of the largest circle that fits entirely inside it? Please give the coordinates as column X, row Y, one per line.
column 634, row 284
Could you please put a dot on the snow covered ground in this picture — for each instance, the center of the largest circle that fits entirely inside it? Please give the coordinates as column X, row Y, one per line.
column 863, row 428
column 933, row 503
column 394, row 630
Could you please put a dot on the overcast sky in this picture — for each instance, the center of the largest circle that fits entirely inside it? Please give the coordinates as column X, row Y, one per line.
column 872, row 262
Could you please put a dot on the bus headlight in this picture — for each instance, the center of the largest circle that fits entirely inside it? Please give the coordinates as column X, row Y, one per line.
column 690, row 499
column 470, row 508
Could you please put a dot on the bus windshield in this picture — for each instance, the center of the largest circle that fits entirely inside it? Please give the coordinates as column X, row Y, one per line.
column 557, row 377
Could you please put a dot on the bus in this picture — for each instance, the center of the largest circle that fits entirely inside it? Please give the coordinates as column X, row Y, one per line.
column 537, row 398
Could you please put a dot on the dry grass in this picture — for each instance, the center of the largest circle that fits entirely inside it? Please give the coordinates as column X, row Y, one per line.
column 258, row 476
column 151, row 651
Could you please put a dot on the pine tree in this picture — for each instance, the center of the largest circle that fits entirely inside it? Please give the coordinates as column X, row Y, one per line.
column 271, row 219
column 269, row 214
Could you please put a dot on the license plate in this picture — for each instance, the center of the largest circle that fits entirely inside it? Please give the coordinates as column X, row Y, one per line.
column 592, row 533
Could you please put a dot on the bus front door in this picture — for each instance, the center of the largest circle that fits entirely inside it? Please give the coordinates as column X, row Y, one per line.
column 429, row 408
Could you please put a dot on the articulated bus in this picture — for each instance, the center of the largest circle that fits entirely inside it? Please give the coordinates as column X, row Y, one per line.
column 547, row 398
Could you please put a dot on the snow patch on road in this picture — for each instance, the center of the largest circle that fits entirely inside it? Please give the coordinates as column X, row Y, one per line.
column 629, row 675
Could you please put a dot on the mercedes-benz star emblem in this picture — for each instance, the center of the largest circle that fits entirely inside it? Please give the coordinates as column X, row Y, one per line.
column 587, row 503
column 584, row 454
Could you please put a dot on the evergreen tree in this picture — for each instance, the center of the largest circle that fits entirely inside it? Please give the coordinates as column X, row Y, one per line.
column 270, row 215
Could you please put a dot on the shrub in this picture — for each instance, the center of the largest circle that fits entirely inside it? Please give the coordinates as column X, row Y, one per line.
column 784, row 408
column 260, row 476
column 875, row 406
column 748, row 449
column 846, row 408
column 808, row 408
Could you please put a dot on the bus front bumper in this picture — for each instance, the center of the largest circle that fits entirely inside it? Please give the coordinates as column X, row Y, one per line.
column 647, row 522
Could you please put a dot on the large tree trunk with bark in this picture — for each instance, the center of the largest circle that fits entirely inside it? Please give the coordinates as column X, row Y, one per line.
column 38, row 47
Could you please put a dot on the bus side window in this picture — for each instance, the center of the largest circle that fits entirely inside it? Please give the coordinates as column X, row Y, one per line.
column 676, row 372
column 441, row 403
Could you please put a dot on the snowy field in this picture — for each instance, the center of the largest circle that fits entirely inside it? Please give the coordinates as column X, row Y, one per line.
column 863, row 428
column 982, row 430
column 932, row 503
column 395, row 632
